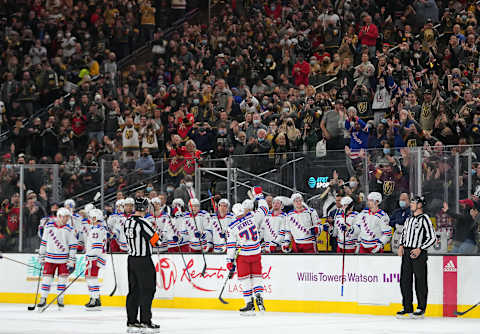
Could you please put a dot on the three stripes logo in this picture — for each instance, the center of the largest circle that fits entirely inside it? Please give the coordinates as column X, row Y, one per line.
column 450, row 267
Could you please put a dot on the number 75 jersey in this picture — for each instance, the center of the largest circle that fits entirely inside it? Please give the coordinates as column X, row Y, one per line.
column 243, row 235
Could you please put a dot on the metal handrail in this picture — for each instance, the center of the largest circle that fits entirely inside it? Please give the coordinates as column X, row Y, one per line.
column 268, row 181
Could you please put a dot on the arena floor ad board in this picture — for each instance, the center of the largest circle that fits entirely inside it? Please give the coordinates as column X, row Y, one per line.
column 293, row 283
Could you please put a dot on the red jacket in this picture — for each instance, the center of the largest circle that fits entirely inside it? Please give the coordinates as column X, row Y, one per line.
column 368, row 35
column 301, row 77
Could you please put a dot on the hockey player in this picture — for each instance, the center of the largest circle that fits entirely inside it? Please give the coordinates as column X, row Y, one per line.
column 243, row 239
column 372, row 229
column 344, row 225
column 95, row 254
column 57, row 254
column 272, row 231
column 174, row 230
column 159, row 219
column 301, row 228
column 82, row 226
column 115, row 224
column 53, row 214
column 219, row 223
column 197, row 227
column 129, row 207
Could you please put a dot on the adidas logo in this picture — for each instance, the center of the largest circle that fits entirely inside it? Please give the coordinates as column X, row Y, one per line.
column 450, row 267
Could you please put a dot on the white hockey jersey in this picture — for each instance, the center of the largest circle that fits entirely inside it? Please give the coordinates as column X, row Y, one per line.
column 43, row 222
column 95, row 244
column 82, row 226
column 158, row 224
column 59, row 243
column 372, row 228
column 350, row 241
column 199, row 223
column 218, row 228
column 298, row 226
column 243, row 233
column 272, row 231
column 175, row 226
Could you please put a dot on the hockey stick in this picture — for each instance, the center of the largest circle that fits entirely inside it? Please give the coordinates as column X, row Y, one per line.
column 114, row 274
column 223, row 301
column 201, row 243
column 465, row 312
column 61, row 293
column 31, row 308
column 343, row 255
column 20, row 262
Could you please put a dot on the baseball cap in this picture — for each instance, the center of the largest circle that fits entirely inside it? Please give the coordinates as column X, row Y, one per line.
column 467, row 202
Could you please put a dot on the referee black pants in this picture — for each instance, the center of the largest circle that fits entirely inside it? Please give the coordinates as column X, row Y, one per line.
column 411, row 267
column 141, row 288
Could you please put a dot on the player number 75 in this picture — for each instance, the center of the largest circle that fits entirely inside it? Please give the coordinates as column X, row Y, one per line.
column 251, row 233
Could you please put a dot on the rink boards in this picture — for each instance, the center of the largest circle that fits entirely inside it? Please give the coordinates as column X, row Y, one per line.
column 293, row 283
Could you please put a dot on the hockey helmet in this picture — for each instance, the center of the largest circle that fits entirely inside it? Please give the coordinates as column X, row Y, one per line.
column 120, row 202
column 129, row 200
column 155, row 200
column 62, row 212
column 375, row 196
column 96, row 214
column 345, row 201
column 419, row 199
column 178, row 202
column 193, row 202
column 296, row 196
column 247, row 205
column 224, row 201
column 70, row 204
column 237, row 209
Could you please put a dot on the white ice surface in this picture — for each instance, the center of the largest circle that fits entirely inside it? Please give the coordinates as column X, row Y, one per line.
column 74, row 320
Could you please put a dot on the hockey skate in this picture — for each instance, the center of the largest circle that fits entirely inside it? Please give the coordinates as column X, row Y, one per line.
column 93, row 305
column 249, row 309
column 404, row 314
column 134, row 328
column 42, row 304
column 260, row 305
column 419, row 314
column 60, row 303
column 150, row 328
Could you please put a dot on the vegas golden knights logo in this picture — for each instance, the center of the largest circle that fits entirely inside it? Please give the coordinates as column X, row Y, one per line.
column 308, row 119
column 150, row 139
column 129, row 134
column 388, row 187
column 412, row 143
column 426, row 110
column 362, row 107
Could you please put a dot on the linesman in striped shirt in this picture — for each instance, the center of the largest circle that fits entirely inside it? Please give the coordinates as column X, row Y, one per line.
column 140, row 236
column 417, row 236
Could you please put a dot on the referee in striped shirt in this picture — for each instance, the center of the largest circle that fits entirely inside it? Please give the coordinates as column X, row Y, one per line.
column 418, row 235
column 140, row 238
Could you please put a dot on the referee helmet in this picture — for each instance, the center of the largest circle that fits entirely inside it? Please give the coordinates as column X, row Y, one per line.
column 419, row 199
column 141, row 204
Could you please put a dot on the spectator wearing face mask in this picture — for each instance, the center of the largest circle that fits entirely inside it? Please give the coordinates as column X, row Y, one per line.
column 223, row 145
column 398, row 218
column 256, row 124
column 359, row 132
column 185, row 190
column 145, row 165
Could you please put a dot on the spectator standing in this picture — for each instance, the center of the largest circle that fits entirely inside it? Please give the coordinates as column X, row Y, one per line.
column 368, row 35
column 301, row 71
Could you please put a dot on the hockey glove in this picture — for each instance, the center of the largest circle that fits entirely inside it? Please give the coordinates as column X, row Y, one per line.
column 286, row 248
column 258, row 192
column 222, row 235
column 326, row 227
column 175, row 239
column 377, row 248
column 343, row 227
column 198, row 235
column 71, row 266
column 314, row 230
column 231, row 269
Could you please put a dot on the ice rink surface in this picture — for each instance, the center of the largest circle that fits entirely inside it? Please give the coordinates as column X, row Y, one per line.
column 74, row 320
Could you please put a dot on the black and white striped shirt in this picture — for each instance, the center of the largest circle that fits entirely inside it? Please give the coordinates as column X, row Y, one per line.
column 418, row 232
column 140, row 235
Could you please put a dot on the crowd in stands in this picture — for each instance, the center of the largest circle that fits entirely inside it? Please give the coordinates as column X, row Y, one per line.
column 400, row 74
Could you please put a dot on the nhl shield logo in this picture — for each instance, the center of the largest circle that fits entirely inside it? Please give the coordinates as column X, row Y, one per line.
column 388, row 187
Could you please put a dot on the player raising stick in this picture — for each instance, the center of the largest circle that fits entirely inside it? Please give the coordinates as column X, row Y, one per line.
column 243, row 236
